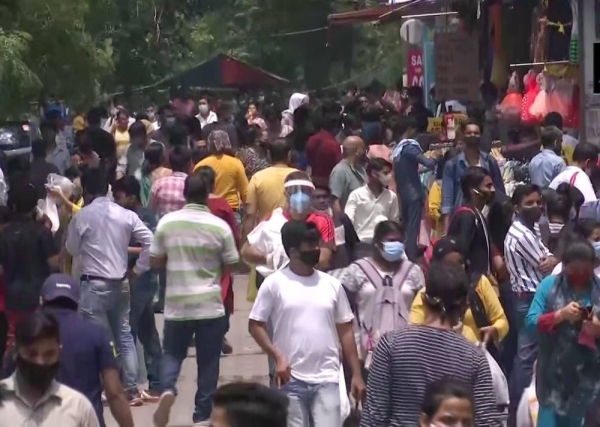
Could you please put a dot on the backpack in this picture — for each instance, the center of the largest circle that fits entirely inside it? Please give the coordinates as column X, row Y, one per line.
column 387, row 310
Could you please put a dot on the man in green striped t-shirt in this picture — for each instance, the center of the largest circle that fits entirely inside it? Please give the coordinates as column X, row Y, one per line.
column 196, row 248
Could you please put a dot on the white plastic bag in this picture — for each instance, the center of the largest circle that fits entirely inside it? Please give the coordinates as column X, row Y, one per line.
column 49, row 205
column 344, row 401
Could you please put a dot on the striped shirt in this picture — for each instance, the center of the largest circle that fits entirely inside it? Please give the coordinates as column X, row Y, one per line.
column 408, row 360
column 197, row 245
column 523, row 251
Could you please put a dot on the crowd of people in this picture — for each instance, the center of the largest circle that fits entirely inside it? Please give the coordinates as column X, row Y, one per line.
column 427, row 286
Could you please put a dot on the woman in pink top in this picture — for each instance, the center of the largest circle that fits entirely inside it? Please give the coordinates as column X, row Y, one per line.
column 254, row 118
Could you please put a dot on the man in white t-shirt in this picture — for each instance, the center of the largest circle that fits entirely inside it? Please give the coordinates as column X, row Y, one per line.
column 585, row 157
column 308, row 310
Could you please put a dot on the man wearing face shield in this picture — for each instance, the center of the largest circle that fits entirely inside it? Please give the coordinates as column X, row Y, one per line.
column 454, row 170
column 264, row 248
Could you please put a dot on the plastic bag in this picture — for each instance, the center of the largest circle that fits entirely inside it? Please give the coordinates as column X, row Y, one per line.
column 344, row 400
column 49, row 206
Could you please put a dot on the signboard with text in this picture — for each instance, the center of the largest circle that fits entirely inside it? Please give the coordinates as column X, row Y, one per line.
column 414, row 70
column 456, row 57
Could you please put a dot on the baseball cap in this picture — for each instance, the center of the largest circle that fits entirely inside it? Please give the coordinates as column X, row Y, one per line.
column 60, row 286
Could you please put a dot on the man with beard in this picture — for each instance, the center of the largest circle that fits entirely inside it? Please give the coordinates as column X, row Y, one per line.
column 31, row 394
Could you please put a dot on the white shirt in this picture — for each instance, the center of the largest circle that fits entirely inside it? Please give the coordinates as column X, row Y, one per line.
column 580, row 181
column 101, row 233
column 366, row 210
column 304, row 312
column 266, row 237
column 211, row 118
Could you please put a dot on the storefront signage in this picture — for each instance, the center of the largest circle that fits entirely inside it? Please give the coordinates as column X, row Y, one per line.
column 456, row 57
column 414, row 70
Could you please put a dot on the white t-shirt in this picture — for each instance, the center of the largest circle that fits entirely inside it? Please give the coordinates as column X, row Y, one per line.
column 211, row 118
column 580, row 181
column 304, row 312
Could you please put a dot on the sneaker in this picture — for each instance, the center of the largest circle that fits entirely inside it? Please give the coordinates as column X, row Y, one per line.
column 226, row 348
column 165, row 403
column 150, row 396
column 136, row 399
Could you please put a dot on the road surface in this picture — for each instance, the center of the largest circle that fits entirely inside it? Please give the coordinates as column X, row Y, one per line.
column 247, row 363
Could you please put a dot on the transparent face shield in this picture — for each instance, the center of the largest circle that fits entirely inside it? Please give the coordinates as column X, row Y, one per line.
column 299, row 195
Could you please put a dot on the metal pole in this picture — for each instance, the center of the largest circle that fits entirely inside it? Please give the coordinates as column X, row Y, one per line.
column 582, row 77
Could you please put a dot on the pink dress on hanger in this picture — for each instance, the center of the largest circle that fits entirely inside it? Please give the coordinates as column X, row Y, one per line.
column 531, row 93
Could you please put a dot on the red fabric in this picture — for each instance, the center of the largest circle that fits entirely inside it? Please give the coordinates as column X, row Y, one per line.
column 323, row 152
column 219, row 207
column 324, row 224
column 530, row 94
column 572, row 119
column 14, row 317
column 546, row 322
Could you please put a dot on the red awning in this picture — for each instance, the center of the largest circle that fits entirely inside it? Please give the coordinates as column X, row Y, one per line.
column 388, row 13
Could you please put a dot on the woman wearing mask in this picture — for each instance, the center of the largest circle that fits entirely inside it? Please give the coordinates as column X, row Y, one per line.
column 408, row 360
column 565, row 314
column 364, row 282
column 153, row 168
column 447, row 402
column 253, row 117
column 586, row 229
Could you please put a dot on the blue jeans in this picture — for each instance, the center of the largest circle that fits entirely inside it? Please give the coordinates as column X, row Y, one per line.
column 209, row 335
column 315, row 405
column 527, row 351
column 412, row 211
column 143, row 325
column 106, row 302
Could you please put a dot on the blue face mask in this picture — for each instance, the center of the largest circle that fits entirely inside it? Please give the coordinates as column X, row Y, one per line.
column 392, row 251
column 596, row 246
column 300, row 201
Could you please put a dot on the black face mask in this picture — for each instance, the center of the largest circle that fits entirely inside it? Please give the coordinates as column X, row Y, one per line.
column 38, row 376
column 310, row 258
column 472, row 141
column 531, row 214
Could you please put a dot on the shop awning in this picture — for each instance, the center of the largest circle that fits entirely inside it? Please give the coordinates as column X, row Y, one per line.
column 388, row 13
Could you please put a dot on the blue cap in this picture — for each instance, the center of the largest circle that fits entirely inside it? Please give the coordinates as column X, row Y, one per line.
column 60, row 286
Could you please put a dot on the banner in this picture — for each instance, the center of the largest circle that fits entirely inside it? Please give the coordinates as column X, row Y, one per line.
column 457, row 75
column 414, row 70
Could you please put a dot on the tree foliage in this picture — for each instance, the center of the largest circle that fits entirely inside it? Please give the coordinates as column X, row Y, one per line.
column 77, row 50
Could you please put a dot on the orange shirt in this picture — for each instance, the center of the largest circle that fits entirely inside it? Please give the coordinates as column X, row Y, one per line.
column 231, row 182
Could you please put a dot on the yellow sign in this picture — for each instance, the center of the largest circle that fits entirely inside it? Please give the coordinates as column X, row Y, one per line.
column 435, row 125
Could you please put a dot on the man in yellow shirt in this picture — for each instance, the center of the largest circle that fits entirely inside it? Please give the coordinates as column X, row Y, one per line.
column 231, row 182
column 266, row 190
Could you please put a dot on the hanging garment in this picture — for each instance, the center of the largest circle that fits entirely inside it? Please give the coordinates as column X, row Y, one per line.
column 574, row 44
column 540, row 34
column 539, row 108
column 533, row 89
column 560, row 19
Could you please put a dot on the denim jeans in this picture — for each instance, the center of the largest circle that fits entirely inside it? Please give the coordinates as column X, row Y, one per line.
column 143, row 325
column 411, row 218
column 106, row 302
column 209, row 335
column 314, row 405
column 527, row 351
column 162, row 289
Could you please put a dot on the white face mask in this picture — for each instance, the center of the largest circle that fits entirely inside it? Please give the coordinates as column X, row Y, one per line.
column 385, row 179
column 203, row 108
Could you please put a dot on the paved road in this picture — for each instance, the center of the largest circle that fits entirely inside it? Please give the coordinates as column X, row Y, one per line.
column 247, row 363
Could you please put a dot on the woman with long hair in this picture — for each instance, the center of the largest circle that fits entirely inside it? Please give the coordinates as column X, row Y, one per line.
column 565, row 312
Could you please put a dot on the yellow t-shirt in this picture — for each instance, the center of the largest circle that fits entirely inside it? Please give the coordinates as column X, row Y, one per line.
column 265, row 190
column 491, row 303
column 231, row 182
column 434, row 206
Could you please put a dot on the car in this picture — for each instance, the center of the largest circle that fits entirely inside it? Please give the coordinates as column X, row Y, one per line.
column 16, row 138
